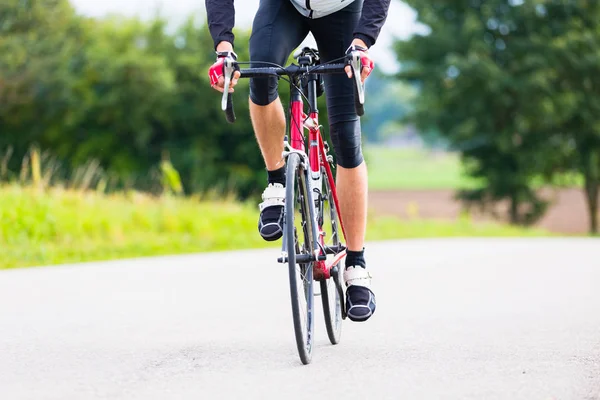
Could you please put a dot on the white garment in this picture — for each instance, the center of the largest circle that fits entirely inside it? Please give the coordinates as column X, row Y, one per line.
column 319, row 8
column 357, row 276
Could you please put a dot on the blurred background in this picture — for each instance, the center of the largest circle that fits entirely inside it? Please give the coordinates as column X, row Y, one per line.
column 482, row 119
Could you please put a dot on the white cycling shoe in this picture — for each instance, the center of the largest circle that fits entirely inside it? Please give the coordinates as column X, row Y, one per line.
column 270, row 223
column 360, row 299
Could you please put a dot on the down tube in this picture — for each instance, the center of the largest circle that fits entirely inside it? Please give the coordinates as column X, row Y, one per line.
column 329, row 174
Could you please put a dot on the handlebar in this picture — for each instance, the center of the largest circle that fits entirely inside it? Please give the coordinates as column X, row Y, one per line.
column 353, row 59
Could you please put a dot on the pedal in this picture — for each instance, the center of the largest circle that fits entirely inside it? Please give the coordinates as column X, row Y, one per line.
column 283, row 258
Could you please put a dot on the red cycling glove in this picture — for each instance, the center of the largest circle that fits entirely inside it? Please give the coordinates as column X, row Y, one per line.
column 217, row 69
column 365, row 60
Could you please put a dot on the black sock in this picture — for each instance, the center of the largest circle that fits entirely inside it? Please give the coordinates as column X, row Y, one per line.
column 355, row 258
column 277, row 176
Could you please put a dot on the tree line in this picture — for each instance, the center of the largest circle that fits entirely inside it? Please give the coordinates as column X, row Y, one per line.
column 513, row 86
column 124, row 93
column 510, row 84
column 127, row 97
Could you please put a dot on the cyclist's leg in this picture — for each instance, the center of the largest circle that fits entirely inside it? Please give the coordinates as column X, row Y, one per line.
column 333, row 35
column 277, row 30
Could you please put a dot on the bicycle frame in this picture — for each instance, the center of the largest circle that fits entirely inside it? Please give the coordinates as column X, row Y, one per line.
column 317, row 157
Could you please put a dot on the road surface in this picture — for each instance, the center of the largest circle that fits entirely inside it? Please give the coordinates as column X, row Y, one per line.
column 456, row 319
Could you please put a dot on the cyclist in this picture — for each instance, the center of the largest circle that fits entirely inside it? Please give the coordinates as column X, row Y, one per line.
column 278, row 28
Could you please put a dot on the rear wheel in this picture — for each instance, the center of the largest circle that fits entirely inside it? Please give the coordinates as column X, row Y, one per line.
column 299, row 244
column 331, row 295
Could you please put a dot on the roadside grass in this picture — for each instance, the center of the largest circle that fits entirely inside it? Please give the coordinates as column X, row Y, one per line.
column 56, row 226
column 384, row 228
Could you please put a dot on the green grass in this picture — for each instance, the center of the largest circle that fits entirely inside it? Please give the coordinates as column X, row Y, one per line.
column 55, row 226
column 384, row 228
column 398, row 168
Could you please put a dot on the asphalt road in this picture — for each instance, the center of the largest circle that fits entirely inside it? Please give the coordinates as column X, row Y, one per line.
column 456, row 319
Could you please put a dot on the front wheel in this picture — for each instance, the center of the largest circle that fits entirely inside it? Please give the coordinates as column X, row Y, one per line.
column 299, row 244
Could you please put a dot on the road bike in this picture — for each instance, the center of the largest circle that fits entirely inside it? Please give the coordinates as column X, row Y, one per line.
column 312, row 243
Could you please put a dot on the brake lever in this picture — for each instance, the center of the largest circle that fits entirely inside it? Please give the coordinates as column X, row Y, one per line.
column 355, row 62
column 356, row 65
column 228, row 70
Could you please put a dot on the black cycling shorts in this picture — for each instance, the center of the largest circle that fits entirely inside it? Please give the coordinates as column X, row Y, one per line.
column 277, row 30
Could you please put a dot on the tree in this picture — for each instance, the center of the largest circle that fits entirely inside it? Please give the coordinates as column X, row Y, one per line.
column 39, row 42
column 570, row 37
column 491, row 82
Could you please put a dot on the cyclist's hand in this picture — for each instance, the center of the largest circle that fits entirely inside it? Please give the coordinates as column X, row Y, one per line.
column 215, row 73
column 367, row 64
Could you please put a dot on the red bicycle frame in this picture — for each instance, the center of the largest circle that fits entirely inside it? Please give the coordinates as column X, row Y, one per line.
column 317, row 156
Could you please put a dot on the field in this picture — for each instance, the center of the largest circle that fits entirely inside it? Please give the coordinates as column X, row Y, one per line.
column 394, row 168
column 421, row 183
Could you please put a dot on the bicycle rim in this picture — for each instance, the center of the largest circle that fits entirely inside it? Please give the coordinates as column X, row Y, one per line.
column 330, row 295
column 298, row 231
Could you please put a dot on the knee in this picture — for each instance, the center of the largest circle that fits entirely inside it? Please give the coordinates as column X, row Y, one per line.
column 263, row 91
column 346, row 140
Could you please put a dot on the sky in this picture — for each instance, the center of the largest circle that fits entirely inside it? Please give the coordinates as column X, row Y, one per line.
column 401, row 21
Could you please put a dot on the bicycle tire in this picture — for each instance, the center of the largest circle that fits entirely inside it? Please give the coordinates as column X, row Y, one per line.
column 331, row 296
column 300, row 275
